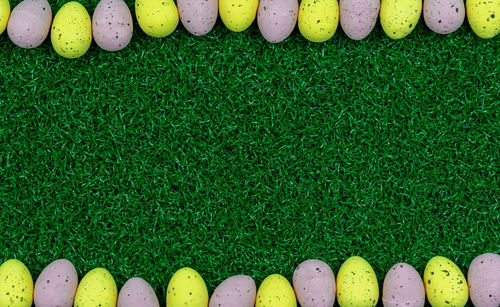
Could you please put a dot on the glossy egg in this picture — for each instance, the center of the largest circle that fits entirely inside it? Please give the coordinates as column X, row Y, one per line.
column 275, row 291
column 484, row 280
column 97, row 288
column 444, row 16
column 318, row 19
column 29, row 23
column 71, row 32
column 399, row 17
column 187, row 288
column 484, row 17
column 238, row 15
column 112, row 25
column 314, row 284
column 358, row 17
column 56, row 285
column 237, row 290
column 198, row 16
column 16, row 284
column 357, row 283
column 4, row 14
column 157, row 18
column 403, row 287
column 277, row 19
column 137, row 292
column 445, row 284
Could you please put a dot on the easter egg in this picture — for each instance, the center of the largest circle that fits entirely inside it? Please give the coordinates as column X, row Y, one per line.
column 403, row 286
column 237, row 290
column 318, row 19
column 71, row 32
column 16, row 284
column 484, row 17
column 314, row 284
column 238, row 15
column 97, row 288
column 277, row 19
column 4, row 14
column 399, row 17
column 484, row 280
column 445, row 284
column 198, row 16
column 29, row 23
column 358, row 17
column 357, row 283
column 137, row 292
column 275, row 291
column 444, row 16
column 56, row 285
column 187, row 288
column 112, row 25
column 157, row 18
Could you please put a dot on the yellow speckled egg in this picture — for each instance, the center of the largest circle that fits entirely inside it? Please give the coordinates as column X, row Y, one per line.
column 357, row 284
column 71, row 32
column 238, row 15
column 97, row 288
column 445, row 284
column 16, row 284
column 157, row 18
column 399, row 17
column 187, row 289
column 4, row 14
column 318, row 19
column 275, row 291
column 484, row 17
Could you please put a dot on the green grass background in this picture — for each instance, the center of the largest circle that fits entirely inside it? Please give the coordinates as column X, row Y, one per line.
column 235, row 156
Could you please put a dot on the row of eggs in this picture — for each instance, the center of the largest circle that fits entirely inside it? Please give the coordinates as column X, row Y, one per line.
column 112, row 25
column 314, row 285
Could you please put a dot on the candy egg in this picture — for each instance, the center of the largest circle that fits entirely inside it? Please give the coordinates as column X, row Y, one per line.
column 318, row 19
column 16, row 284
column 237, row 290
column 444, row 16
column 484, row 17
column 357, row 283
column 275, row 291
column 4, row 14
column 399, row 17
column 314, row 284
column 277, row 19
column 137, row 292
column 56, row 285
column 198, row 16
column 97, row 288
column 403, row 287
column 358, row 17
column 187, row 288
column 238, row 15
column 157, row 18
column 112, row 25
column 484, row 280
column 445, row 284
column 29, row 23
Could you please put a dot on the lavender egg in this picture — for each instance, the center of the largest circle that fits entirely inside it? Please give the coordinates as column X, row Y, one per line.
column 237, row 290
column 314, row 284
column 29, row 23
column 198, row 16
column 358, row 17
column 403, row 287
column 56, row 285
column 277, row 19
column 484, row 280
column 112, row 25
column 444, row 16
column 137, row 292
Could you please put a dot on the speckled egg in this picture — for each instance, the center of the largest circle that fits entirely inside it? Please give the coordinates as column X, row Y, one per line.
column 157, row 18
column 198, row 16
column 445, row 284
column 484, row 17
column 97, row 288
column 358, row 17
column 277, row 19
column 29, row 23
column 187, row 288
column 112, row 25
column 314, row 284
column 357, row 283
column 318, row 19
column 444, row 16
column 71, row 32
column 399, row 17
column 237, row 290
column 137, row 292
column 238, row 15
column 4, row 14
column 16, row 284
column 484, row 280
column 56, row 285
column 403, row 287
column 275, row 291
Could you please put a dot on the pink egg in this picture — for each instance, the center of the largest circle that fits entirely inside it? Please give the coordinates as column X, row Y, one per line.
column 198, row 16
column 484, row 280
column 237, row 290
column 358, row 17
column 403, row 287
column 277, row 19
column 29, row 23
column 56, row 285
column 112, row 25
column 444, row 16
column 314, row 284
column 137, row 292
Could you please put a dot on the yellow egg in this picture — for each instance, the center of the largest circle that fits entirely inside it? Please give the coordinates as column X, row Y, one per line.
column 445, row 284
column 157, row 18
column 4, row 14
column 399, row 17
column 357, row 284
column 71, row 32
column 318, row 19
column 484, row 17
column 16, row 284
column 275, row 291
column 238, row 15
column 187, row 289
column 97, row 288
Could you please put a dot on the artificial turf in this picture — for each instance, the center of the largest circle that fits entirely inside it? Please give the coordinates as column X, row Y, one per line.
column 231, row 155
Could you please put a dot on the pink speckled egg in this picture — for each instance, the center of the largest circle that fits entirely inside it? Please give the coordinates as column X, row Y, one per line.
column 403, row 287
column 277, row 19
column 444, row 16
column 358, row 17
column 112, row 25
column 198, row 16
column 29, row 23
column 314, row 284
column 137, row 292
column 484, row 280
column 239, row 290
column 56, row 285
